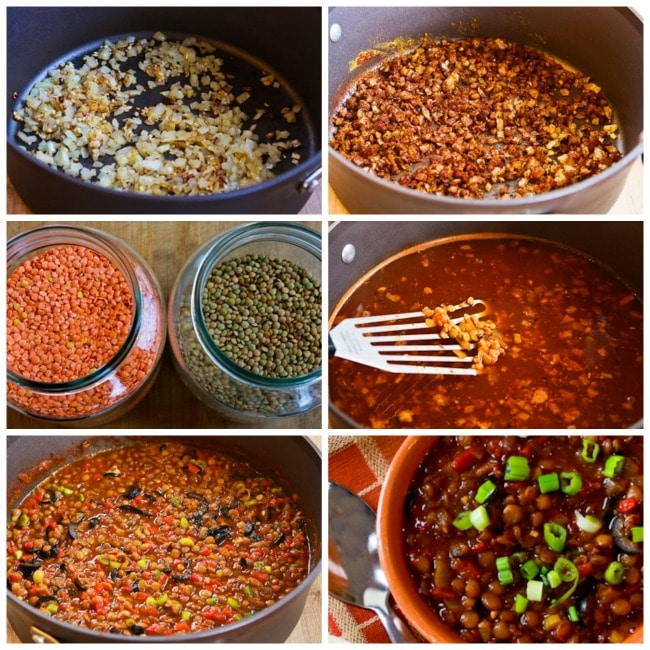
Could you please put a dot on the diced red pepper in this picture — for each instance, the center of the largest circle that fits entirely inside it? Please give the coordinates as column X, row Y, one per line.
column 262, row 577
column 443, row 593
column 627, row 505
column 585, row 569
column 182, row 626
column 463, row 461
column 481, row 546
column 470, row 570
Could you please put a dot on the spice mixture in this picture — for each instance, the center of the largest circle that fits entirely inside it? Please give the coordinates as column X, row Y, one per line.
column 528, row 540
column 477, row 117
column 265, row 314
column 192, row 136
column 155, row 539
column 573, row 331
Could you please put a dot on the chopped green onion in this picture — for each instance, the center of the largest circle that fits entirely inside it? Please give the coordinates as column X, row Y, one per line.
column 185, row 615
column 248, row 591
column 503, row 563
column 52, row 608
column 555, row 536
column 588, row 523
column 517, row 468
column 553, row 578
column 161, row 600
column 233, row 603
column 23, row 521
column 570, row 483
column 615, row 573
column 529, row 569
column 590, row 449
column 485, row 491
column 462, row 521
column 143, row 563
column 535, row 590
column 614, row 466
column 548, row 482
column 521, row 603
column 480, row 518
column 65, row 490
column 637, row 534
column 573, row 614
column 567, row 570
column 506, row 577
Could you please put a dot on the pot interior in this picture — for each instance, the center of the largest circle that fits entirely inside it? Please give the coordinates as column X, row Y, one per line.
column 604, row 43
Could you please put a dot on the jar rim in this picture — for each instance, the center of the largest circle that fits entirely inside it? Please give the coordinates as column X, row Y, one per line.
column 29, row 243
column 217, row 250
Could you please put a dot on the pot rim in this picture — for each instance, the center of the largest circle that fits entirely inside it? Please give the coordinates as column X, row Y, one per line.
column 67, row 629
column 455, row 205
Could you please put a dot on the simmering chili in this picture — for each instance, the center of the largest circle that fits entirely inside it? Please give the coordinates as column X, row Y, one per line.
column 560, row 563
column 573, row 333
column 156, row 539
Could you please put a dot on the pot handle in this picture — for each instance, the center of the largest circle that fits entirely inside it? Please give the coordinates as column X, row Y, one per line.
column 311, row 181
column 38, row 636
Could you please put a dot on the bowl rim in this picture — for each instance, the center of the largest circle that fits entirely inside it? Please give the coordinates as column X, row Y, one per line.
column 390, row 515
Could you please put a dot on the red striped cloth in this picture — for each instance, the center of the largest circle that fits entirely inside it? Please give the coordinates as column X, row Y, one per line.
column 360, row 464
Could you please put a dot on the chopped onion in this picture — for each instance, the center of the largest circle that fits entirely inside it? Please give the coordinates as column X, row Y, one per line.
column 588, row 523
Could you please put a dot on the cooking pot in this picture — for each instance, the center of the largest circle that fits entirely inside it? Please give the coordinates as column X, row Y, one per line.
column 605, row 43
column 295, row 460
column 282, row 40
column 354, row 248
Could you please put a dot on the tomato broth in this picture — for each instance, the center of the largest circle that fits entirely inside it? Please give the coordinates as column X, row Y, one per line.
column 573, row 331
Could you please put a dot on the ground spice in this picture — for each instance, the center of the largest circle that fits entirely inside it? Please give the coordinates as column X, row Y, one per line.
column 69, row 312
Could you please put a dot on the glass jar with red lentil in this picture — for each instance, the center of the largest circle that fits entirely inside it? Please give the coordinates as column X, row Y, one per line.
column 245, row 322
column 86, row 325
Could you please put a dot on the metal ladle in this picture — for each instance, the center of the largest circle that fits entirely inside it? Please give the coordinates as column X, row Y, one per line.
column 354, row 573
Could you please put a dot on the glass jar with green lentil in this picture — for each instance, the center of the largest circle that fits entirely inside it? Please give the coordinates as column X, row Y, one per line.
column 245, row 322
column 86, row 325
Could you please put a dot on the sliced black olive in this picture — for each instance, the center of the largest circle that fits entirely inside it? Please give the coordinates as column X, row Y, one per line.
column 73, row 530
column 47, row 551
column 248, row 528
column 53, row 497
column 132, row 492
column 220, row 534
column 28, row 568
column 93, row 521
column 78, row 583
column 242, row 562
column 45, row 599
column 114, row 473
column 136, row 629
column 113, row 575
column 185, row 574
column 619, row 530
column 278, row 540
column 137, row 511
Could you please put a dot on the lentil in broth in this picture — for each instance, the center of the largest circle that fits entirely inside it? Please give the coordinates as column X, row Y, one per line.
column 156, row 539
column 530, row 539
column 574, row 336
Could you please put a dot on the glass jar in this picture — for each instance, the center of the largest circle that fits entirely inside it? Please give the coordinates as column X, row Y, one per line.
column 241, row 391
column 129, row 364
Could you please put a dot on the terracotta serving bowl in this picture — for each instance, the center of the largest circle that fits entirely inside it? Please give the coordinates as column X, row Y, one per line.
column 391, row 549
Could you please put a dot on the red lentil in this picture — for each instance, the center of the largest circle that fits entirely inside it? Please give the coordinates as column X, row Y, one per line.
column 69, row 310
column 85, row 324
column 156, row 539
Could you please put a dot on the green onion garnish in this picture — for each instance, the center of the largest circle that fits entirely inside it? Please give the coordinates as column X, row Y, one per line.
column 637, row 534
column 614, row 466
column 570, row 483
column 535, row 590
column 462, row 521
column 506, row 577
column 503, row 563
column 572, row 612
column 480, row 518
column 521, row 603
column 485, row 491
column 548, row 482
column 590, row 449
column 567, row 570
column 615, row 573
column 553, row 578
column 529, row 569
column 555, row 536
column 517, row 468
column 588, row 523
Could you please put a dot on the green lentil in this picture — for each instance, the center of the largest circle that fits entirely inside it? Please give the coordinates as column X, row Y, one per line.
column 265, row 315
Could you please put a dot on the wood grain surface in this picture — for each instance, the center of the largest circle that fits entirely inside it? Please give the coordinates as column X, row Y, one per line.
column 309, row 627
column 629, row 202
column 165, row 245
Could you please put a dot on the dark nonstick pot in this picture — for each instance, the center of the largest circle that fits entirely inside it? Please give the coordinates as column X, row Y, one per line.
column 603, row 42
column 356, row 247
column 283, row 40
column 294, row 459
